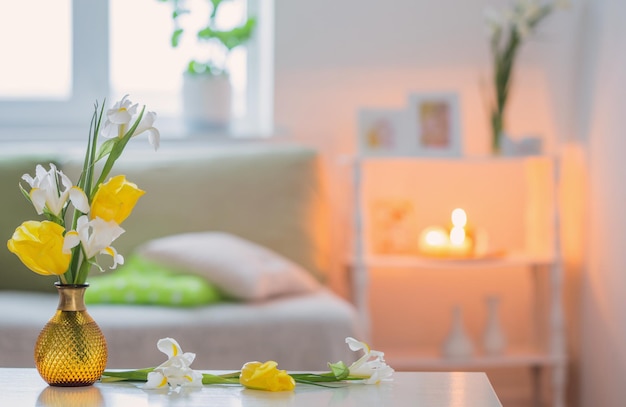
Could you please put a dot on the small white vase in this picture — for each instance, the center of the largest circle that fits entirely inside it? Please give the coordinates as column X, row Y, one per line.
column 207, row 101
column 494, row 341
column 457, row 344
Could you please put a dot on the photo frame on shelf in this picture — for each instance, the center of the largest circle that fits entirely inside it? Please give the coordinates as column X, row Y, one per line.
column 434, row 124
column 383, row 132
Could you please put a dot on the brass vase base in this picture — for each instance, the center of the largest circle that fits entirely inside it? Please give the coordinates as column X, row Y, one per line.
column 71, row 349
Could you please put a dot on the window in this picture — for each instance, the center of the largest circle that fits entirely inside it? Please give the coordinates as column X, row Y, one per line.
column 41, row 62
column 74, row 52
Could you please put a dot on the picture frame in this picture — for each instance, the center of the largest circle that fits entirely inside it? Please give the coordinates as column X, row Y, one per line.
column 383, row 132
column 434, row 124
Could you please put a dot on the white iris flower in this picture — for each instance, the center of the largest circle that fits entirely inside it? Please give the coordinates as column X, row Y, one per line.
column 122, row 116
column 371, row 366
column 96, row 236
column 175, row 371
column 52, row 189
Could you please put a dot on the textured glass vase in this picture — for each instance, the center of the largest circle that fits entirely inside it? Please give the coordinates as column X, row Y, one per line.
column 71, row 349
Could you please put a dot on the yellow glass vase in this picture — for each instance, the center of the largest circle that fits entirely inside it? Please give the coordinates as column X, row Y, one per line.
column 71, row 349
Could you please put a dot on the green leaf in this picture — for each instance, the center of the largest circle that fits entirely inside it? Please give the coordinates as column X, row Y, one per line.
column 229, row 38
column 340, row 370
column 179, row 12
column 176, row 37
column 203, row 68
column 105, row 149
column 216, row 4
column 25, row 193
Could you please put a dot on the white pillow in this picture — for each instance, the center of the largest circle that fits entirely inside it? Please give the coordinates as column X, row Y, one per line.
column 240, row 268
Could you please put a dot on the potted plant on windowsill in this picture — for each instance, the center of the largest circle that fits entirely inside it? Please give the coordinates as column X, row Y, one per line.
column 207, row 89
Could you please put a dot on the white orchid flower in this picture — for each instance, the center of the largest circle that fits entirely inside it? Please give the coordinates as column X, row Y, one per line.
column 175, row 371
column 123, row 115
column 46, row 191
column 371, row 366
column 95, row 236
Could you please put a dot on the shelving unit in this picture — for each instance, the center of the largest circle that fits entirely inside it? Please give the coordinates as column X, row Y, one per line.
column 545, row 266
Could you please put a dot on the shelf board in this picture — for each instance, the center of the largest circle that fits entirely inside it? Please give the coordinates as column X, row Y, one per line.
column 465, row 158
column 409, row 261
column 402, row 360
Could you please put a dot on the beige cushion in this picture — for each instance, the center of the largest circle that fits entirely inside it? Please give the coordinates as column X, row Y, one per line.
column 268, row 194
column 241, row 269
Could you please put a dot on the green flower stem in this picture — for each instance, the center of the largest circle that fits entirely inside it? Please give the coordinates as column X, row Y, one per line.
column 117, row 149
column 141, row 375
column 78, row 271
column 83, row 272
column 230, row 378
column 309, row 378
column 503, row 68
column 62, row 279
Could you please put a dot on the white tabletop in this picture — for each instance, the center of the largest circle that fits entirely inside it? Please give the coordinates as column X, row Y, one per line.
column 24, row 387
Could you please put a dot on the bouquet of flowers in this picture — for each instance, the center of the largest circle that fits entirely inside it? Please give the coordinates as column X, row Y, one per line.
column 507, row 31
column 65, row 245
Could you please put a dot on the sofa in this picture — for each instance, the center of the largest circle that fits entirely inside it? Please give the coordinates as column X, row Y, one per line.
column 267, row 200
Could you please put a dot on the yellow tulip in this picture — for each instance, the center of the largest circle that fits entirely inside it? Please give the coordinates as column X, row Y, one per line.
column 115, row 199
column 39, row 245
column 265, row 376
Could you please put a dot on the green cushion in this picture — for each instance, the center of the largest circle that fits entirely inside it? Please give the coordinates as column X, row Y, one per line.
column 140, row 281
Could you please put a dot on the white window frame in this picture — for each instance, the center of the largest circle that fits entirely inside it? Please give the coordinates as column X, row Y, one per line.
column 27, row 119
column 90, row 19
column 260, row 70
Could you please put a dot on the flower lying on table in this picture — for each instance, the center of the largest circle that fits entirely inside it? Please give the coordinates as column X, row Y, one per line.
column 176, row 372
column 52, row 247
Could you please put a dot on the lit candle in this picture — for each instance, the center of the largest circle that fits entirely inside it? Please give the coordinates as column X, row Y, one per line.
column 460, row 243
column 434, row 241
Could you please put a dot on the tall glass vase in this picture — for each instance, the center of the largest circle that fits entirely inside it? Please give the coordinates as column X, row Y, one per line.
column 71, row 349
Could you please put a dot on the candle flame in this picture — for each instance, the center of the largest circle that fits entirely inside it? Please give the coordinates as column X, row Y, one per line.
column 457, row 235
column 459, row 218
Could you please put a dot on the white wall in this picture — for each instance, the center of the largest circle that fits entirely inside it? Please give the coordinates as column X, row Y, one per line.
column 604, row 286
column 334, row 57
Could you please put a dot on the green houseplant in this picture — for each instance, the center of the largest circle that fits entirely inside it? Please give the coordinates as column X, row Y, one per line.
column 207, row 89
column 507, row 32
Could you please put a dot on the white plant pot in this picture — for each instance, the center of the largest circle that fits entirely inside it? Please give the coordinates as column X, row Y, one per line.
column 207, row 101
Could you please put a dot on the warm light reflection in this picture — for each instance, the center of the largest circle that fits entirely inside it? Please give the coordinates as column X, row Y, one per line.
column 87, row 396
column 435, row 241
column 436, row 237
